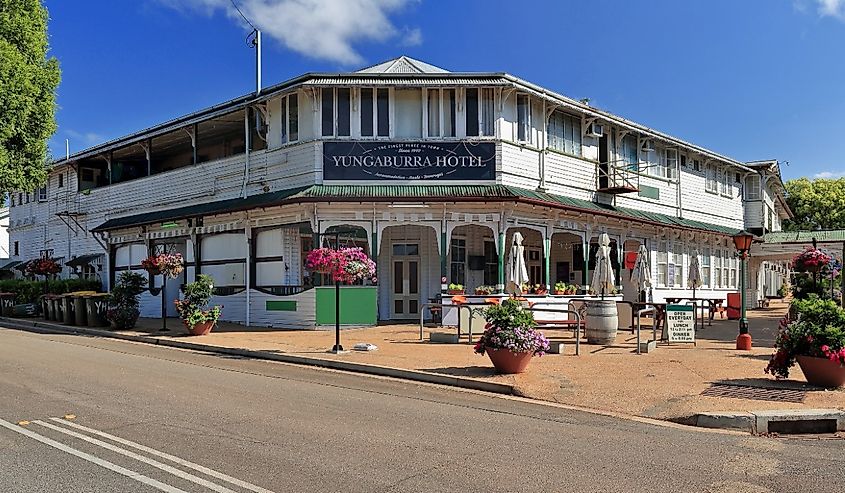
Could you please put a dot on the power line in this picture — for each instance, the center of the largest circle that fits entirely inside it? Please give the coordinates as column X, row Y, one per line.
column 242, row 15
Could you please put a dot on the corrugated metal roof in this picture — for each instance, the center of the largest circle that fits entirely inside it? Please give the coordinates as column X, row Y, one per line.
column 494, row 193
column 828, row 236
column 410, row 80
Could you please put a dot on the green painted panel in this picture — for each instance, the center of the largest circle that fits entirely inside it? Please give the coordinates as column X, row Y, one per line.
column 358, row 305
column 280, row 306
column 649, row 192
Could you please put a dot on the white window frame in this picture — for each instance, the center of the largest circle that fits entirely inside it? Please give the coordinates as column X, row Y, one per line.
column 441, row 116
column 335, row 120
column 560, row 144
column 711, row 178
column 42, row 194
column 706, row 277
column 285, row 102
column 483, row 117
column 357, row 105
column 752, row 190
column 668, row 163
column 662, row 275
column 678, row 262
column 726, row 184
column 525, row 126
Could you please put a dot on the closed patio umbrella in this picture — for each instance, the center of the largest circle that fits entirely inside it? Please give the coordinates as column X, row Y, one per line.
column 517, row 271
column 641, row 274
column 603, row 278
column 694, row 279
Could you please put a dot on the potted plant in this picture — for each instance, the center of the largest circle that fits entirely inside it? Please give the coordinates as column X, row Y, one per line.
column 484, row 290
column 510, row 338
column 572, row 289
column 455, row 289
column 346, row 265
column 193, row 308
column 123, row 310
column 540, row 289
column 169, row 264
column 816, row 341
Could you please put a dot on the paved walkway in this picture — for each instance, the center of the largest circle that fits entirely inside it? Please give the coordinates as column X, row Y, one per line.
column 666, row 383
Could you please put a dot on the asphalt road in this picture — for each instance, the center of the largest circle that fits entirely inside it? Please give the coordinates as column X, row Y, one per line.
column 147, row 419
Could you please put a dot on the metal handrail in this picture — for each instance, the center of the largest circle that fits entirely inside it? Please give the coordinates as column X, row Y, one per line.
column 577, row 322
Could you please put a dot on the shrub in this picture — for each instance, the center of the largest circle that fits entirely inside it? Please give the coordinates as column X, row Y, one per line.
column 511, row 327
column 123, row 300
column 819, row 332
column 193, row 307
column 27, row 291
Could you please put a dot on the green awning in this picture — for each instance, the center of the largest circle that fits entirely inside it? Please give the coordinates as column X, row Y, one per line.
column 382, row 193
column 826, row 236
column 10, row 265
column 83, row 260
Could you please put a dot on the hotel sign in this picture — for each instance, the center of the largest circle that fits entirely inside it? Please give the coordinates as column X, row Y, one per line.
column 423, row 161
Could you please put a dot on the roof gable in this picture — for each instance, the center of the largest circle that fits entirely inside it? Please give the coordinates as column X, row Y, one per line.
column 403, row 65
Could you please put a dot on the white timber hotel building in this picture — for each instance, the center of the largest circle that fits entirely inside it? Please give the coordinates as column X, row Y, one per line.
column 430, row 171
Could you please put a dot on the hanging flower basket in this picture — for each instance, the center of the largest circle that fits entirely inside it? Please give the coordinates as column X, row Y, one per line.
column 346, row 265
column 811, row 260
column 43, row 267
column 322, row 260
column 168, row 264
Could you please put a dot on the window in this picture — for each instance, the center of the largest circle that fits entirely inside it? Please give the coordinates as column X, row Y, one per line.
column 491, row 264
column 678, row 261
column 290, row 118
column 441, row 113
column 725, row 182
column 565, row 133
column 669, row 163
column 726, row 269
column 367, row 103
column 42, row 194
column 336, row 108
column 458, row 261
column 472, row 120
column 27, row 197
column 61, row 180
column 705, row 267
column 488, row 116
column 383, row 112
column 734, row 261
column 630, row 152
column 711, row 182
column 696, row 165
column 717, row 268
column 16, row 249
column 479, row 112
column 523, row 118
column 752, row 187
column 662, row 265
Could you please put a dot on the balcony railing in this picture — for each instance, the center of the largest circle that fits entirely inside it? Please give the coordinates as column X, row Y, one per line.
column 616, row 177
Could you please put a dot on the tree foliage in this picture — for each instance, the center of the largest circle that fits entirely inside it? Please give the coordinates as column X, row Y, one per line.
column 817, row 204
column 28, row 81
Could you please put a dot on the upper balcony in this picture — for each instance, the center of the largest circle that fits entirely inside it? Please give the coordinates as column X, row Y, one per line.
column 616, row 178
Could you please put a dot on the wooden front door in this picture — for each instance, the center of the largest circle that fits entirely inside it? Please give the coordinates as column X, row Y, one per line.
column 405, row 281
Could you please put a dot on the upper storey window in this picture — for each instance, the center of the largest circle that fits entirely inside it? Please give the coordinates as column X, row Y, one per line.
column 479, row 112
column 565, row 133
column 375, row 112
column 752, row 187
column 441, row 112
column 523, row 118
column 336, row 112
column 290, row 118
column 630, row 152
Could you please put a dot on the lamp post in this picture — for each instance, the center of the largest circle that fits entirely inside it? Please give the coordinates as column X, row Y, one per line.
column 742, row 242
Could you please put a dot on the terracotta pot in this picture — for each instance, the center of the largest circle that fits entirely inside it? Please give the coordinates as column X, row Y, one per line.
column 822, row 372
column 454, row 291
column 506, row 361
column 200, row 329
column 540, row 292
column 559, row 293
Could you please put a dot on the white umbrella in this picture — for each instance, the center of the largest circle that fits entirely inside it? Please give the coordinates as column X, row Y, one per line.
column 517, row 271
column 603, row 278
column 694, row 279
column 642, row 271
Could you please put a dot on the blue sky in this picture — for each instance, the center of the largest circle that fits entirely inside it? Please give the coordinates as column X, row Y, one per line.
column 752, row 79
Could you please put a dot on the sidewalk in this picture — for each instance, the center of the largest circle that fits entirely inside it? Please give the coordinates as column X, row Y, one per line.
column 666, row 383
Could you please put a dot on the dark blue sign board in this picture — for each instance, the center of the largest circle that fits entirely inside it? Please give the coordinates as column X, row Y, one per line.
column 424, row 161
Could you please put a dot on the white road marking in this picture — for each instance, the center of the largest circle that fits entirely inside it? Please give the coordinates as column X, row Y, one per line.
column 92, row 459
column 164, row 467
column 181, row 462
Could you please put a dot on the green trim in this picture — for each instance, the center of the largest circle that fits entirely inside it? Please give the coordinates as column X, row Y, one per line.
column 547, row 254
column 501, row 262
column 280, row 305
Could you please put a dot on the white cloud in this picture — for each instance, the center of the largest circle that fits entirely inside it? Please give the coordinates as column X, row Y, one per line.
column 830, row 174
column 321, row 29
column 832, row 8
column 86, row 138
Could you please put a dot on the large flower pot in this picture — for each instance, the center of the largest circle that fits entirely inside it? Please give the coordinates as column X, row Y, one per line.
column 507, row 361
column 822, row 372
column 201, row 329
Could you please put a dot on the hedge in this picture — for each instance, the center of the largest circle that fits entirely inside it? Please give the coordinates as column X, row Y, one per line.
column 29, row 291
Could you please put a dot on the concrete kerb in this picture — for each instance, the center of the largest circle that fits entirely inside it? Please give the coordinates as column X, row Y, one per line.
column 420, row 376
column 763, row 422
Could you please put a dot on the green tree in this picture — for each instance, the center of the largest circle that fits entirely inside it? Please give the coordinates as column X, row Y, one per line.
column 817, row 204
column 28, row 81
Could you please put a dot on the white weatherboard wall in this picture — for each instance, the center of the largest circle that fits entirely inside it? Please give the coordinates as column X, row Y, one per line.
column 278, row 242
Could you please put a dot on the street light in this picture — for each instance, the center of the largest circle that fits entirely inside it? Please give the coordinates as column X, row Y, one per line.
column 742, row 242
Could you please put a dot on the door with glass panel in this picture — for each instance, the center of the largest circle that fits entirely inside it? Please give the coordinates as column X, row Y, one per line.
column 405, row 281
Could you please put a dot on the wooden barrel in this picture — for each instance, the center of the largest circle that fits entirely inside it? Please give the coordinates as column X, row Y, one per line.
column 602, row 322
